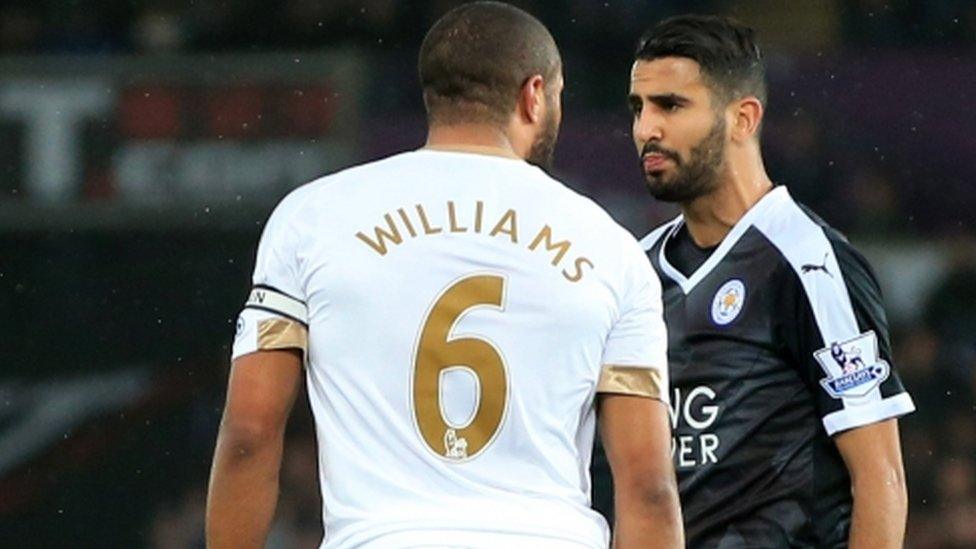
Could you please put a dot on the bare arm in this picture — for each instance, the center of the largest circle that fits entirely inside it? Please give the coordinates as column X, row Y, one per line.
column 873, row 457
column 637, row 440
column 244, row 478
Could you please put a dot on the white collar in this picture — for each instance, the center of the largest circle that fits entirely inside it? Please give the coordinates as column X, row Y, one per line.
column 776, row 196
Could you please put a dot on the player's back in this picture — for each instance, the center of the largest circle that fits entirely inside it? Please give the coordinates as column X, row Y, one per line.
column 458, row 308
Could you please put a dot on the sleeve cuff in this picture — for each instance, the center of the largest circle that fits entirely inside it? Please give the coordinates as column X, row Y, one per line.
column 868, row 413
column 632, row 380
column 263, row 331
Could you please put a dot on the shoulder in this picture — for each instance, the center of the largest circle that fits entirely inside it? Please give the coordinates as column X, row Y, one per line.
column 332, row 188
column 805, row 240
column 380, row 170
column 802, row 238
column 835, row 278
column 583, row 210
column 569, row 198
column 852, row 261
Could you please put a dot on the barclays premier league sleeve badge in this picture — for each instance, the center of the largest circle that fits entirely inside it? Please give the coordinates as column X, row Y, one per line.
column 853, row 367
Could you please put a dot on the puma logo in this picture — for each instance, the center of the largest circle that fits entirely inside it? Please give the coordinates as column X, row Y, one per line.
column 822, row 267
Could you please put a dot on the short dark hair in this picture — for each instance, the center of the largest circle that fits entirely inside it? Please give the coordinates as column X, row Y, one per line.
column 725, row 49
column 475, row 59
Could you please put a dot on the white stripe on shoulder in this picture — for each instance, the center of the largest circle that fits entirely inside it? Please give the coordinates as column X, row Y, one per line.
column 806, row 247
column 652, row 237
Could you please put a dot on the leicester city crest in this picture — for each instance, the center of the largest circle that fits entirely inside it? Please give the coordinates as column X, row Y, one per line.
column 853, row 367
column 728, row 302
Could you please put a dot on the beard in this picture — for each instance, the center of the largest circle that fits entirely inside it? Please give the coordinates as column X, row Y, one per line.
column 692, row 179
column 543, row 149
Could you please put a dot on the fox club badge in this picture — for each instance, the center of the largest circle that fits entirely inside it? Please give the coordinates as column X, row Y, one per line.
column 728, row 302
column 853, row 367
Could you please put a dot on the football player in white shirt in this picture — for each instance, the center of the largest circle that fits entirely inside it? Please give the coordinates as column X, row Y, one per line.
column 461, row 319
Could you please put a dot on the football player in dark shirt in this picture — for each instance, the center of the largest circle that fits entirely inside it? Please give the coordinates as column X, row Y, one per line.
column 784, row 399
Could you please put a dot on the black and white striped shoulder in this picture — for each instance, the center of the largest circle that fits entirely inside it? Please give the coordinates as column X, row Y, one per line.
column 841, row 330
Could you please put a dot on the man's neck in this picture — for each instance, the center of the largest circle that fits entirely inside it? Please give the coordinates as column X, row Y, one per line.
column 474, row 138
column 709, row 218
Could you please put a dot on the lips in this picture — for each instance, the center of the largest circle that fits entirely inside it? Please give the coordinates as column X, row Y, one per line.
column 655, row 162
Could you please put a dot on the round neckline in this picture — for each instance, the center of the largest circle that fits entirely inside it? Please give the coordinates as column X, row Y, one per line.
column 474, row 150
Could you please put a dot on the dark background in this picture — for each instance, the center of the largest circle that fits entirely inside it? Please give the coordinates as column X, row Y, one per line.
column 119, row 289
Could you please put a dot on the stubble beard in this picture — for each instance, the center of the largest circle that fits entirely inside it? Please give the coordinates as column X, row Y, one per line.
column 543, row 149
column 696, row 178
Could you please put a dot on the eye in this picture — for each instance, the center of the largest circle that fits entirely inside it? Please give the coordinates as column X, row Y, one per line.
column 670, row 103
column 670, row 106
column 636, row 107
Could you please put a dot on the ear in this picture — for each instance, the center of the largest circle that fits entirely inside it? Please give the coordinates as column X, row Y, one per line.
column 531, row 99
column 747, row 116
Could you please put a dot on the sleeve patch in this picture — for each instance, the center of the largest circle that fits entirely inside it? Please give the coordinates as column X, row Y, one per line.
column 853, row 367
column 632, row 380
column 279, row 333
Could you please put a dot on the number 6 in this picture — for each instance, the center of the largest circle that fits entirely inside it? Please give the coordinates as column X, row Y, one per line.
column 437, row 350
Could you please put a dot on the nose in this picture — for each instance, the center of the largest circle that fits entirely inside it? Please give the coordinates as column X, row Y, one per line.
column 648, row 127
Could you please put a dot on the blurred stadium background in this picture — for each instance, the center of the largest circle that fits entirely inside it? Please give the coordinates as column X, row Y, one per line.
column 143, row 143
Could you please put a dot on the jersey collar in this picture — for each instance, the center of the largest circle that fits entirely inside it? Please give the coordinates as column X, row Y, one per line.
column 776, row 196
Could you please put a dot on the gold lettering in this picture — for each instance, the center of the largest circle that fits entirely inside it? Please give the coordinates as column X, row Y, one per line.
column 380, row 243
column 406, row 221
column 438, row 349
column 452, row 219
column 426, row 224
column 478, row 211
column 578, row 273
column 546, row 235
column 507, row 224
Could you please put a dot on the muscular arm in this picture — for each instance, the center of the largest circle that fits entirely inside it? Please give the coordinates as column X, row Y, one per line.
column 244, row 478
column 637, row 441
column 873, row 457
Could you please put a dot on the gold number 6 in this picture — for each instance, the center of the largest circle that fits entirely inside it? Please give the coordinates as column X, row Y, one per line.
column 437, row 351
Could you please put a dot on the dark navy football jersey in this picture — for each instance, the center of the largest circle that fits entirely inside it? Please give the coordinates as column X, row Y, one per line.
column 777, row 341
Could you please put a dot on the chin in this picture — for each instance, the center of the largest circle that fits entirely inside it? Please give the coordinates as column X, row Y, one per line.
column 657, row 181
column 661, row 190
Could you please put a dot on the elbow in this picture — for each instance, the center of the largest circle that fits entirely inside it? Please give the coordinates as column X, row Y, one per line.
column 663, row 493
column 654, row 495
column 243, row 437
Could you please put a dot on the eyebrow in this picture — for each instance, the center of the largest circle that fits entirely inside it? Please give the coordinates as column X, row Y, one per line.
column 669, row 98
column 661, row 99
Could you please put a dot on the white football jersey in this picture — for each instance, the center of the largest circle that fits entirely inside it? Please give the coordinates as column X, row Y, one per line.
column 459, row 312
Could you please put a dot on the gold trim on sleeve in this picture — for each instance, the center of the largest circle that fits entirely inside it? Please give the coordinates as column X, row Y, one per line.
column 280, row 333
column 630, row 380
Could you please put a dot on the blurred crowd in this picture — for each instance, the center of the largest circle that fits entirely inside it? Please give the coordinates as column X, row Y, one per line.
column 178, row 521
column 870, row 175
column 167, row 26
column 937, row 358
